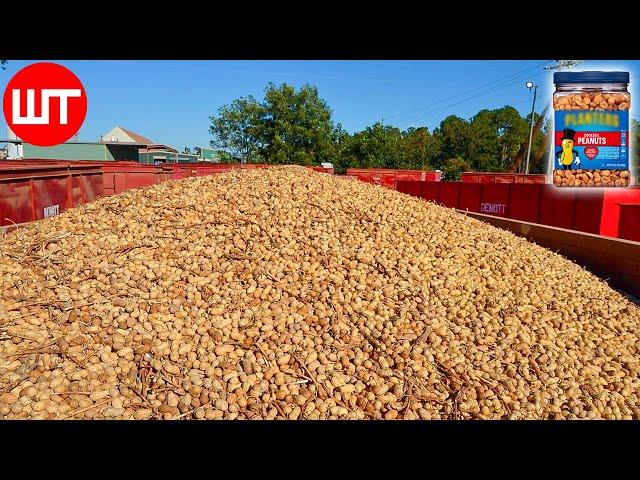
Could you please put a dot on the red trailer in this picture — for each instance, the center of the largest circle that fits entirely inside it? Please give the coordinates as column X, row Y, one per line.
column 31, row 191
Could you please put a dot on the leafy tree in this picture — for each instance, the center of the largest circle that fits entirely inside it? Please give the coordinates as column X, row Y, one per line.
column 226, row 157
column 237, row 128
column 521, row 156
column 342, row 141
column 377, row 146
column 287, row 126
column 453, row 167
column 419, row 149
column 540, row 148
column 297, row 126
column 456, row 139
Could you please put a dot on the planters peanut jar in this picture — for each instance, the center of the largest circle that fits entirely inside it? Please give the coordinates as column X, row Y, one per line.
column 591, row 128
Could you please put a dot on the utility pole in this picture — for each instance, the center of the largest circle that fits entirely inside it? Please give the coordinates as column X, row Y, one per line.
column 533, row 107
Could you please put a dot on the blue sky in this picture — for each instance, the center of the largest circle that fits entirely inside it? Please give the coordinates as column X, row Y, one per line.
column 171, row 101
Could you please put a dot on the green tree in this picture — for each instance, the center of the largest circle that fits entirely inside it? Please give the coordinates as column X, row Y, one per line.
column 237, row 129
column 419, row 149
column 376, row 146
column 521, row 157
column 453, row 167
column 297, row 126
column 226, row 157
column 455, row 137
column 341, row 151
column 287, row 126
column 495, row 138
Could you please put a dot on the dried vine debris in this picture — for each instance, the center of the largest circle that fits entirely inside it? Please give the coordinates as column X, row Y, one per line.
column 285, row 293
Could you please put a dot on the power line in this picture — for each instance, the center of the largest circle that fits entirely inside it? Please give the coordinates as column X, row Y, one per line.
column 489, row 84
column 485, row 92
column 479, row 94
column 517, row 74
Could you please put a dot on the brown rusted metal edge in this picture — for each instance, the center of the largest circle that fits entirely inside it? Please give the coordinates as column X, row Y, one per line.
column 613, row 259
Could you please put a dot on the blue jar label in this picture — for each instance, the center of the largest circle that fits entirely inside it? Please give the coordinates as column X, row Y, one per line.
column 591, row 139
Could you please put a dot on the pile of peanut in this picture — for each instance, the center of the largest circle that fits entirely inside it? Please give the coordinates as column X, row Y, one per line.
column 289, row 294
column 592, row 100
column 591, row 178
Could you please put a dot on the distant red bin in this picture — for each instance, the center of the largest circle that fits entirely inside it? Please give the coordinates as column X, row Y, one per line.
column 487, row 178
column 504, row 178
column 364, row 177
column 470, row 197
column 469, row 177
column 537, row 179
column 390, row 177
column 449, row 193
column 388, row 180
column 629, row 223
column 330, row 171
column 519, row 178
column 524, row 203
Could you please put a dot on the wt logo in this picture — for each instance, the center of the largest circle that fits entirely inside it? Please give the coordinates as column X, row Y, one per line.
column 57, row 116
column 43, row 119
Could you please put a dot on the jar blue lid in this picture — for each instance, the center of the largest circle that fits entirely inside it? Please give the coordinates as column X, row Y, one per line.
column 591, row 77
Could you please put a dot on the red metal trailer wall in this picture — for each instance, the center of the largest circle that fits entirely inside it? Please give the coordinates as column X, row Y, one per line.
column 613, row 197
column 449, row 194
column 595, row 211
column 495, row 199
column 629, row 225
column 524, row 203
column 470, row 196
column 31, row 191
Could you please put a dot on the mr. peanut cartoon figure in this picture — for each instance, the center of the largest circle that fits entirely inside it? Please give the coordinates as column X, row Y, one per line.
column 567, row 155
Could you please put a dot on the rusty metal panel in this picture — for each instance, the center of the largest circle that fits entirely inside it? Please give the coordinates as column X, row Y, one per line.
column 15, row 202
column 50, row 196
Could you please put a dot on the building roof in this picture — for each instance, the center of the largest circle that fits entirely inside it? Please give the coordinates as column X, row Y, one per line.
column 158, row 146
column 137, row 138
column 123, row 135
